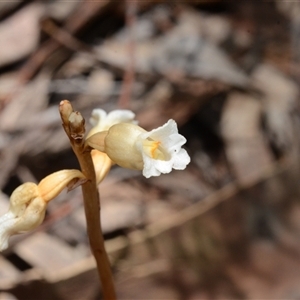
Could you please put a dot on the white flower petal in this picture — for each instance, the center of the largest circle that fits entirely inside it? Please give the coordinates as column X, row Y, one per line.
column 120, row 116
column 6, row 229
column 167, row 135
column 163, row 166
column 29, row 220
column 98, row 115
column 164, row 131
column 7, row 223
column 181, row 160
column 164, row 139
column 8, row 216
column 175, row 141
column 149, row 168
column 104, row 121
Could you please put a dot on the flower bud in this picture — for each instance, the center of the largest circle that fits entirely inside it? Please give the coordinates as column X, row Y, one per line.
column 65, row 109
column 76, row 125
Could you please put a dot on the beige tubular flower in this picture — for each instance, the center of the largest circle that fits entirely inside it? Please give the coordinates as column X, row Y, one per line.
column 102, row 122
column 28, row 203
column 155, row 152
column 26, row 212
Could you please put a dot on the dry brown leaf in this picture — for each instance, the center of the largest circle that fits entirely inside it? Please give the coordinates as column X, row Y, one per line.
column 246, row 148
column 19, row 34
column 20, row 113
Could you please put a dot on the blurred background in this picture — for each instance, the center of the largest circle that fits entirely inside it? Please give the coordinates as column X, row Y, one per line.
column 228, row 72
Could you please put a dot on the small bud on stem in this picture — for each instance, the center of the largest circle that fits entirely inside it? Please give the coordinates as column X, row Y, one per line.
column 65, row 110
column 76, row 125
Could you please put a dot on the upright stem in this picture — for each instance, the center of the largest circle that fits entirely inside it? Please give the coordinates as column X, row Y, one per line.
column 74, row 127
column 92, row 213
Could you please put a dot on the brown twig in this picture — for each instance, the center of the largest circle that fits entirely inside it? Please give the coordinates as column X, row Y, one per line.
column 63, row 37
column 73, row 124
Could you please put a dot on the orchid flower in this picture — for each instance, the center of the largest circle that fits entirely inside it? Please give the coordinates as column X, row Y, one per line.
column 28, row 203
column 155, row 152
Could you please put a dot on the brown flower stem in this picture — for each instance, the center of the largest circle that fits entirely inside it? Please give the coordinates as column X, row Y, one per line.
column 73, row 124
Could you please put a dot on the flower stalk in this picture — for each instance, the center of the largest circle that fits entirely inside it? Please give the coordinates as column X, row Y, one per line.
column 73, row 124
